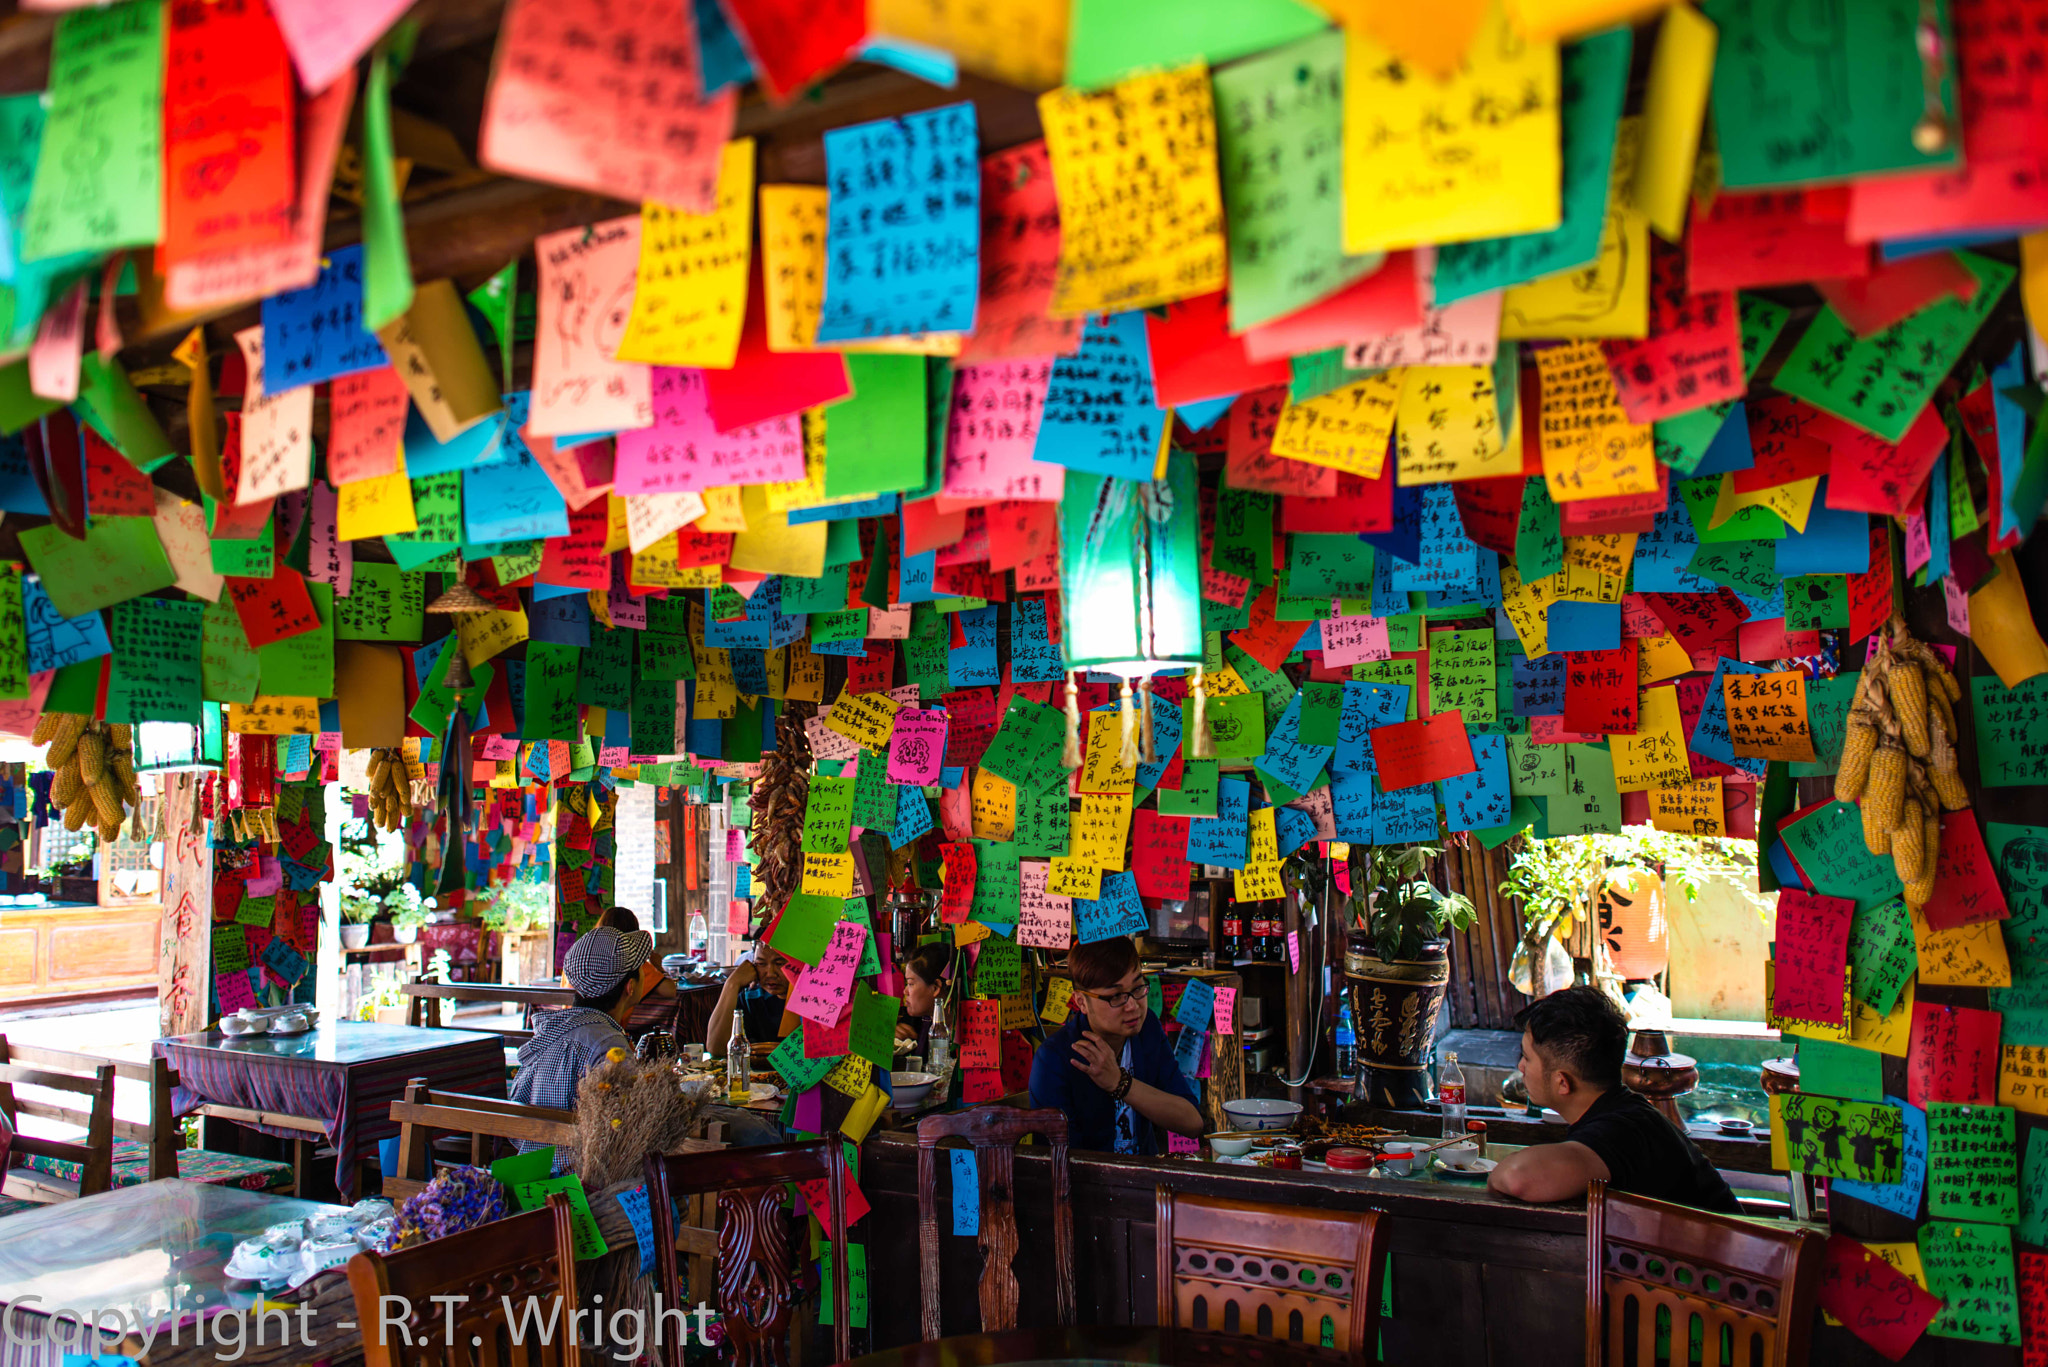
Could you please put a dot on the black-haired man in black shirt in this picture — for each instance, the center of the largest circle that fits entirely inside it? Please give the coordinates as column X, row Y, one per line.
column 1573, row 1043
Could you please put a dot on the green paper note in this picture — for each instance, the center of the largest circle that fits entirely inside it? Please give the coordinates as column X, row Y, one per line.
column 2012, row 730
column 1539, row 539
column 1196, row 795
column 874, row 441
column 1882, row 955
column 1237, row 725
column 2033, row 1228
column 495, row 299
column 1000, row 969
column 828, row 816
column 156, row 674
column 1970, row 1267
column 1042, row 822
column 1828, row 843
column 1461, row 673
column 387, row 268
column 118, row 411
column 1534, row 770
column 1316, row 373
column 806, row 926
column 1590, row 803
column 1827, row 716
column 14, row 681
column 550, row 706
column 856, row 1286
column 787, row 1058
column 1809, row 91
column 1821, row 1134
column 302, row 666
column 99, row 181
column 384, row 603
column 873, row 1035
column 1972, row 1163
column 1814, row 602
column 534, row 1195
column 230, row 948
column 997, row 883
column 1882, row 382
column 1322, row 708
column 257, row 911
column 1827, row 1068
column 1109, row 39
column 1320, row 566
column 535, row 1165
column 120, row 558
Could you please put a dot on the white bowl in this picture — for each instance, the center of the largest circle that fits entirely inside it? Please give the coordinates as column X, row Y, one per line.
column 1460, row 1156
column 1398, row 1158
column 1229, row 1148
column 910, row 1089
column 1261, row 1113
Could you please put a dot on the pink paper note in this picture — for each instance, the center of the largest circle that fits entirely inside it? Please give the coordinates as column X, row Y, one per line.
column 604, row 95
column 267, row 879
column 326, row 37
column 60, row 342
column 1957, row 604
column 824, row 992
column 252, row 272
column 1351, row 640
column 233, row 992
column 735, row 844
column 1811, row 956
column 365, row 418
column 1464, row 333
column 683, row 451
column 1226, row 1011
column 499, row 748
column 611, row 756
column 1180, row 1143
column 917, row 746
column 993, row 431
column 329, row 559
column 1044, row 920
column 1294, row 951
column 586, row 281
column 359, row 806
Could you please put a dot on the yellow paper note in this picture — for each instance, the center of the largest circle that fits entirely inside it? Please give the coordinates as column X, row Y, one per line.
column 1574, row 18
column 2023, row 1078
column 2002, row 625
column 968, row 932
column 690, row 293
column 2034, row 280
column 1346, row 429
column 1590, row 448
column 488, row 634
column 381, row 506
column 1887, row 1034
column 1608, row 555
column 718, row 697
column 1654, row 756
column 1681, row 71
column 1018, row 42
column 1141, row 209
column 774, row 545
column 272, row 716
column 618, row 525
column 1968, row 956
column 435, row 351
column 1611, row 297
column 866, row 719
column 1447, row 161
column 1100, row 829
column 1792, row 503
column 994, row 804
column 1059, row 993
column 1659, row 658
column 1767, row 715
column 828, row 875
column 806, row 673
column 1449, row 427
column 1528, row 608
column 1068, row 876
column 723, row 512
column 1694, row 807
column 1100, row 772
column 1225, row 683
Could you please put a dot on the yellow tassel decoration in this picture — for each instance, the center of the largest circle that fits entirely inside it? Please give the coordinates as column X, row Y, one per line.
column 1199, row 746
column 1070, row 753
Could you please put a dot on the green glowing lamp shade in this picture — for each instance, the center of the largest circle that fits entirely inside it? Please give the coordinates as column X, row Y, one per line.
column 1130, row 571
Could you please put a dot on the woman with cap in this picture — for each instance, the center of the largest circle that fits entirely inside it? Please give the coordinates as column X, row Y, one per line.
column 603, row 969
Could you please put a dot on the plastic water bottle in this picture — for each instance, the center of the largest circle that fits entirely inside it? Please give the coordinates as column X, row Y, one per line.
column 939, row 1044
column 1450, row 1095
column 1347, row 1044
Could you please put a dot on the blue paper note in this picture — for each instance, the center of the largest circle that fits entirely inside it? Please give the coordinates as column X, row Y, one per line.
column 881, row 505
column 765, row 626
column 1222, row 839
column 913, row 59
column 1479, row 800
column 1903, row 1196
column 1585, row 626
column 1938, row 533
column 1197, row 1005
column 913, row 816
column 1664, row 555
column 1538, row 685
column 1119, row 911
column 565, row 621
column 1450, row 563
column 1187, row 1051
column 512, row 500
column 1201, row 416
column 1710, row 737
column 1292, row 828
column 973, row 664
column 721, row 55
column 903, row 241
column 1100, row 413
column 2011, row 420
column 1351, row 801
column 966, row 1191
column 641, row 1217
column 1403, row 540
column 1166, row 736
column 55, row 640
column 473, row 446
column 19, row 492
column 1033, row 656
column 1834, row 542
column 1367, row 706
column 1405, row 814
column 1287, row 759
column 317, row 333
column 1730, row 450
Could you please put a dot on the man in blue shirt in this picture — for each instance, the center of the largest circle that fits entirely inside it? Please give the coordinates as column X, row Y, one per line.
column 1109, row 1068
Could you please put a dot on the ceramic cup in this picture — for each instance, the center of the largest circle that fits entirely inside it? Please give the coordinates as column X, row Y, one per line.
column 1399, row 1160
column 1460, row 1156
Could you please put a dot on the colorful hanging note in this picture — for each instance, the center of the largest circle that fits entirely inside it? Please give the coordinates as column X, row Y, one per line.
column 577, row 385
column 690, row 293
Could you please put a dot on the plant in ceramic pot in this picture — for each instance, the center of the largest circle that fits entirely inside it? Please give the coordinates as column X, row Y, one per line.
column 357, row 911
column 1398, row 966
column 409, row 911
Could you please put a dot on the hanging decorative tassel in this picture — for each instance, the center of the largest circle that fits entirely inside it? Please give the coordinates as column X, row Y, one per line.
column 1070, row 753
column 1150, row 751
column 1127, row 721
column 1198, row 744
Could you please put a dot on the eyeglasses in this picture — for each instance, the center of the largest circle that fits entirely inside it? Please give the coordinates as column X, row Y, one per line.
column 1118, row 1000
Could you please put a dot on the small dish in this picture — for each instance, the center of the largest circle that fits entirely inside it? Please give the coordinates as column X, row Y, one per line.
column 1479, row 1168
column 1736, row 1127
column 1235, row 1147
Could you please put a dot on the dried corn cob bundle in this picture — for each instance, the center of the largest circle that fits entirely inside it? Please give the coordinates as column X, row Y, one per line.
column 94, row 783
column 1899, row 755
column 391, row 804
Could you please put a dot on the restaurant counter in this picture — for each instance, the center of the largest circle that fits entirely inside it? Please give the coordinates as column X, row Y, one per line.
column 1475, row 1277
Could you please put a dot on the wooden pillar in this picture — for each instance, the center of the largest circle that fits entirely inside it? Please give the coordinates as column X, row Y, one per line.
column 1301, row 1031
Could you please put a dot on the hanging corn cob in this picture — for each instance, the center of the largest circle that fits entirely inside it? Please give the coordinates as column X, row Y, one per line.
column 95, row 781
column 1899, row 756
column 391, row 804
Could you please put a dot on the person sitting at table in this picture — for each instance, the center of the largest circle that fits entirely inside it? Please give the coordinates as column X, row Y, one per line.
column 603, row 969
column 1109, row 1068
column 922, row 975
column 757, row 988
column 653, row 982
column 1573, row 1043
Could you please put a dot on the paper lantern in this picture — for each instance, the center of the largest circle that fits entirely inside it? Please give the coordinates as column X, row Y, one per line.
column 1130, row 572
column 1630, row 907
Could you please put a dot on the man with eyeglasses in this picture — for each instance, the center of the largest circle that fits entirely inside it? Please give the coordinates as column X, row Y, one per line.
column 1109, row 1068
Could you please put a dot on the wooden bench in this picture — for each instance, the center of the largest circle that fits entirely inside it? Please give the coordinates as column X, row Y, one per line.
column 93, row 1160
column 141, row 1150
column 425, row 995
column 424, row 1113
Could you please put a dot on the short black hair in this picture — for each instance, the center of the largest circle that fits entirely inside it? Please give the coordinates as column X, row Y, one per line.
column 620, row 919
column 607, row 1001
column 1102, row 963
column 931, row 960
column 1582, row 1030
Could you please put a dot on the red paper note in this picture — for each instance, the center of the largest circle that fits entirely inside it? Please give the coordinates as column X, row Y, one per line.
column 230, row 116
column 1966, row 888
column 1388, row 300
column 1020, row 248
column 2033, row 1275
column 1600, row 690
column 829, row 1041
column 1423, row 751
column 1159, row 854
column 366, row 417
column 1767, row 239
column 764, row 384
column 1249, row 462
column 1897, row 290
column 1812, row 956
column 1868, row 474
column 1953, row 1055
column 959, row 888
column 621, row 116
column 1697, row 621
column 1020, row 532
column 794, row 42
column 1880, row 1305
column 1693, row 355
column 577, row 561
column 1491, row 510
column 1267, row 639
column 113, row 487
column 980, row 1046
column 273, row 609
column 981, row 1085
column 1870, row 593
column 1194, row 357
column 818, row 1198
column 1360, row 506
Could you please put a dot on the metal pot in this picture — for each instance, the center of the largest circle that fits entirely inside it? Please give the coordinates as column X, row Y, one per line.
column 1394, row 1008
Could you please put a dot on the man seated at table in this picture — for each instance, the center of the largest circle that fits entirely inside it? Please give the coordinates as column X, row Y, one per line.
column 757, row 989
column 1109, row 1068
column 603, row 969
column 1573, row 1043
column 653, row 982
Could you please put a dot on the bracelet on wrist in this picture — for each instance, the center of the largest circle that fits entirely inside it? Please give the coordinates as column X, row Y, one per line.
column 1123, row 1085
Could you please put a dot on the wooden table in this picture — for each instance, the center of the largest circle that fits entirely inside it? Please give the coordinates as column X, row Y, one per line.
column 337, row 1080
column 1096, row 1346
column 152, row 1250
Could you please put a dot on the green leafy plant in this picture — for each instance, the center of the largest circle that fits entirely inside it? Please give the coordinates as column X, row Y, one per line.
column 408, row 909
column 1399, row 907
column 518, row 906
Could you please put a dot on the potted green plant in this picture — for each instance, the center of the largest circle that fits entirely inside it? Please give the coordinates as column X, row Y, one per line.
column 408, row 912
column 357, row 911
column 1398, row 966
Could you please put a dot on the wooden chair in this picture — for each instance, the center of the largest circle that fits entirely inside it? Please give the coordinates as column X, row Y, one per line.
column 502, row 1263
column 993, row 1132
column 1284, row 1273
column 424, row 997
column 91, row 1160
column 423, row 1113
column 1749, row 1289
column 758, row 1255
